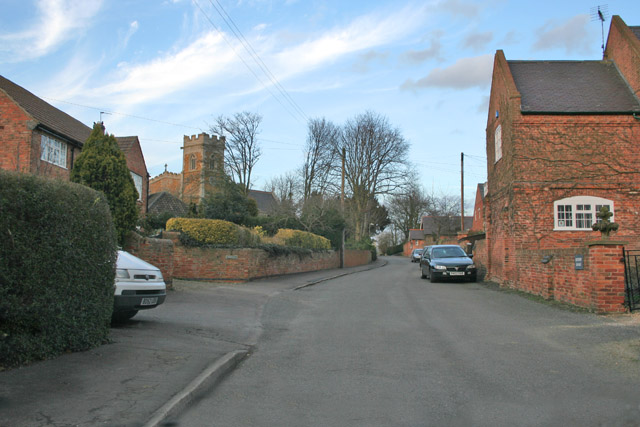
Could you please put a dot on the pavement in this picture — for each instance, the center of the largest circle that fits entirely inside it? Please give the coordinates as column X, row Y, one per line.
column 155, row 364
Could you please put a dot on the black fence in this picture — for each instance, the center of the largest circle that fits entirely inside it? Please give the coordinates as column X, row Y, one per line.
column 632, row 278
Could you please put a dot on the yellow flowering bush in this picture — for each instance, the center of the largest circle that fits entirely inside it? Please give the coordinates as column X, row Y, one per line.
column 302, row 239
column 213, row 231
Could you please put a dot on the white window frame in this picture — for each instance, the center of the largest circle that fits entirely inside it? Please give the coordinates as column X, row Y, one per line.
column 137, row 182
column 53, row 151
column 497, row 141
column 577, row 213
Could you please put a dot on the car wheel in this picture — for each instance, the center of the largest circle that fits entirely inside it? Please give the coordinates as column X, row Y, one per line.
column 473, row 278
column 431, row 278
column 422, row 275
column 121, row 316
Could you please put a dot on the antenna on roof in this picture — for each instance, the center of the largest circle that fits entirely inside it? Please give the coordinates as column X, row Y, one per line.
column 600, row 13
column 101, row 113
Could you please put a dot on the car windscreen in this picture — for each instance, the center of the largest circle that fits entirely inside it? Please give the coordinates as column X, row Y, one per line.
column 452, row 252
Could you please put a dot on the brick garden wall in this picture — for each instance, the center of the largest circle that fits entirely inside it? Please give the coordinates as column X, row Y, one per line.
column 231, row 265
column 599, row 286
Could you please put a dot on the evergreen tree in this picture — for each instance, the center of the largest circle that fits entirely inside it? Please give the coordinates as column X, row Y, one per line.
column 102, row 166
column 229, row 203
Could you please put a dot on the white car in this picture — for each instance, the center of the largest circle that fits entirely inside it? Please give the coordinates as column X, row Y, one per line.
column 138, row 286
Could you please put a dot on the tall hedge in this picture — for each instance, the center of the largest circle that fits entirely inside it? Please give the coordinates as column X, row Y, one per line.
column 57, row 257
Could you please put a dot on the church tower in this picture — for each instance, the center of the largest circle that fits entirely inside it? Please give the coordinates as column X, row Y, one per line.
column 202, row 166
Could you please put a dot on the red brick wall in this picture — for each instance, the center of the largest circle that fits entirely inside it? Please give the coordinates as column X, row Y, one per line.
column 353, row 258
column 623, row 47
column 15, row 136
column 232, row 265
column 158, row 252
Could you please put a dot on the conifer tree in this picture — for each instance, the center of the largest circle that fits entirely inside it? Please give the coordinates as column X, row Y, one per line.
column 102, row 166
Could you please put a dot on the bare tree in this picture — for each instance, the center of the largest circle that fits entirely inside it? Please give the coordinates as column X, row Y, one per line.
column 375, row 164
column 444, row 211
column 285, row 189
column 322, row 140
column 407, row 207
column 242, row 149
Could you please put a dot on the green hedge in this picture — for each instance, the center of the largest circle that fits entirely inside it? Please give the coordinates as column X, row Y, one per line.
column 57, row 260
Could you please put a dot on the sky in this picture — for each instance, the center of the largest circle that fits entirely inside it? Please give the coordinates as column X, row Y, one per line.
column 163, row 69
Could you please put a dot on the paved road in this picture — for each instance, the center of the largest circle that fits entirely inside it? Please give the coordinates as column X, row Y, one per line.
column 151, row 360
column 385, row 348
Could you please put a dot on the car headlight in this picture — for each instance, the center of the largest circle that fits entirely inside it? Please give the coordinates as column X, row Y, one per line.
column 471, row 267
column 440, row 267
column 122, row 273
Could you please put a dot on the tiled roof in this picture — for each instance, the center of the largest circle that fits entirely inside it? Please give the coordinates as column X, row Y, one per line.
column 165, row 202
column 416, row 234
column 568, row 87
column 46, row 114
column 264, row 199
column 126, row 142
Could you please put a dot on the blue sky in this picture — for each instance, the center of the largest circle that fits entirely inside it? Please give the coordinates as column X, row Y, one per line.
column 165, row 69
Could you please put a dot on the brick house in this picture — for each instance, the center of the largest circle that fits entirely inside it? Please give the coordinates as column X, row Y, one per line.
column 37, row 138
column 435, row 230
column 563, row 139
column 130, row 146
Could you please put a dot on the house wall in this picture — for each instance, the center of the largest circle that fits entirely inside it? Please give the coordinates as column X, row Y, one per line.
column 15, row 136
column 623, row 47
column 136, row 164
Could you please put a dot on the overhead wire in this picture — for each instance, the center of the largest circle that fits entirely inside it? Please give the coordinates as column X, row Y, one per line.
column 296, row 117
column 256, row 57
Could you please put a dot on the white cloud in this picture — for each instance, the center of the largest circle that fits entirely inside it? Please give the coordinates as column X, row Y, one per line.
column 204, row 58
column 210, row 57
column 57, row 21
column 364, row 33
column 133, row 28
column 571, row 35
column 478, row 41
column 464, row 74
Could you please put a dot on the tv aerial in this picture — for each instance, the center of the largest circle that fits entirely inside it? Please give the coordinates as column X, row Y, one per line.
column 600, row 13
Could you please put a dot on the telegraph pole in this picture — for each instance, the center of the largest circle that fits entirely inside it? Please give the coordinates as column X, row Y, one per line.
column 344, row 151
column 461, row 191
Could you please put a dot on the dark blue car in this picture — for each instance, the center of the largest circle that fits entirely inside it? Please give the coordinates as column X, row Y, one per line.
column 447, row 262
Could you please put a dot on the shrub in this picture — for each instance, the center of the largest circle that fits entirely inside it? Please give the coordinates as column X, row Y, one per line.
column 102, row 166
column 302, row 239
column 57, row 269
column 214, row 231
